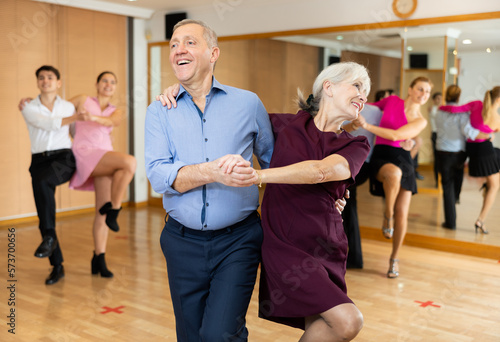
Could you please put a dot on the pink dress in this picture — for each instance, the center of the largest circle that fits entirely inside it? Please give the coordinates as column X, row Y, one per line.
column 90, row 144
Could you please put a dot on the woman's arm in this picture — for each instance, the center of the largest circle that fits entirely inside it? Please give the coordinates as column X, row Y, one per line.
column 109, row 121
column 332, row 168
column 408, row 131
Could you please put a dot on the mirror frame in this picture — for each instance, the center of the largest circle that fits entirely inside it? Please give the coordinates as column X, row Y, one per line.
column 357, row 27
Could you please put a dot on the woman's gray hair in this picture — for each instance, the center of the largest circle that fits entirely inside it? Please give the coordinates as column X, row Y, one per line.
column 336, row 73
column 209, row 34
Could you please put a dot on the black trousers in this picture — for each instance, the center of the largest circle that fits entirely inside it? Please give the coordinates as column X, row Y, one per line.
column 351, row 223
column 451, row 168
column 434, row 151
column 48, row 170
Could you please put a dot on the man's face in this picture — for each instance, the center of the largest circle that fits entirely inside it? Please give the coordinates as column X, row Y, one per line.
column 191, row 58
column 47, row 82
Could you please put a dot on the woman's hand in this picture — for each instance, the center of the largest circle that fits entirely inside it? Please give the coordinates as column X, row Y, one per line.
column 359, row 122
column 167, row 98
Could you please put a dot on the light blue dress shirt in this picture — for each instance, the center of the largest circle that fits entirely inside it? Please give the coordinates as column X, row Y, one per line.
column 372, row 115
column 234, row 122
column 452, row 130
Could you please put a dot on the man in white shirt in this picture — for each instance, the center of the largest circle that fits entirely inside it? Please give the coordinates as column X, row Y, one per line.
column 48, row 118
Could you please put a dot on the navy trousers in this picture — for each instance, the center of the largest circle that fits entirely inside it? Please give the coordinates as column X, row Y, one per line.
column 48, row 170
column 212, row 276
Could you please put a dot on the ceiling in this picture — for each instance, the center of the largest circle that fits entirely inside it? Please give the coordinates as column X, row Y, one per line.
column 483, row 34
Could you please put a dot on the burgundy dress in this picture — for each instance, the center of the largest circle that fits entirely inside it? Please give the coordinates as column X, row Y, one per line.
column 305, row 248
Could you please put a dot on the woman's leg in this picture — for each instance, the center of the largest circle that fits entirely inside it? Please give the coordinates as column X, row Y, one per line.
column 121, row 167
column 492, row 185
column 102, row 187
column 390, row 176
column 341, row 323
column 401, row 210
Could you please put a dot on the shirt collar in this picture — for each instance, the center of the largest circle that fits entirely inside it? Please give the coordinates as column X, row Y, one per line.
column 216, row 86
column 39, row 101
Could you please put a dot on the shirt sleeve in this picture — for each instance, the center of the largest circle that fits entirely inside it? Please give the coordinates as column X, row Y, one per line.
column 33, row 117
column 161, row 169
column 264, row 141
column 467, row 129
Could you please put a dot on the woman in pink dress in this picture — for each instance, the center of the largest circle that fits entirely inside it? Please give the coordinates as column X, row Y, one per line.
column 99, row 168
column 393, row 174
column 483, row 157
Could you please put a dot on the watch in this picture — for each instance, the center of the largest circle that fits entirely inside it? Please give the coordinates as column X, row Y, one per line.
column 404, row 8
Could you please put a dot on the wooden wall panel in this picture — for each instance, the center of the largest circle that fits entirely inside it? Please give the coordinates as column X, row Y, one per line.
column 301, row 69
column 233, row 66
column 77, row 43
column 384, row 71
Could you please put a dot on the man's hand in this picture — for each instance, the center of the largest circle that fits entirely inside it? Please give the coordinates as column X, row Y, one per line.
column 233, row 170
column 24, row 101
column 167, row 98
column 341, row 202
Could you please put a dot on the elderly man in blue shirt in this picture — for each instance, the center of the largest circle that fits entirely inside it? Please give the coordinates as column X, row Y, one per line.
column 212, row 238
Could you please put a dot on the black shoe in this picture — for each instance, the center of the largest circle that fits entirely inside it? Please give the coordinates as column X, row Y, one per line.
column 111, row 216
column 98, row 265
column 47, row 247
column 419, row 176
column 56, row 274
column 445, row 225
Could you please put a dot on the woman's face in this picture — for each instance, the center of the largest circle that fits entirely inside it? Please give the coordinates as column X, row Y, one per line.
column 348, row 99
column 420, row 92
column 106, row 85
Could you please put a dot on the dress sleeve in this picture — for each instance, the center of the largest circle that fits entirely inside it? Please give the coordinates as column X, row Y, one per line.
column 474, row 106
column 355, row 152
column 382, row 103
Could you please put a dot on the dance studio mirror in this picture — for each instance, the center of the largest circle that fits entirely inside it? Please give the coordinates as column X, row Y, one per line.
column 444, row 57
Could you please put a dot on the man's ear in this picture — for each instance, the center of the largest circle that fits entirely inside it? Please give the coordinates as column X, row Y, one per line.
column 215, row 55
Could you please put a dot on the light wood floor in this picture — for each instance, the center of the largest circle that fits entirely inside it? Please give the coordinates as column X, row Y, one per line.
column 465, row 291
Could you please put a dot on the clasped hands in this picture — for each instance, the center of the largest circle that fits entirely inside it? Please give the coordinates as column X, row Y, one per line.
column 234, row 170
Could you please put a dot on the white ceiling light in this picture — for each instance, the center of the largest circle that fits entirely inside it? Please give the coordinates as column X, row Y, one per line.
column 466, row 41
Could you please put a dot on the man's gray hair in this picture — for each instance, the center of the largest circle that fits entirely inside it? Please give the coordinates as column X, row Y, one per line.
column 209, row 34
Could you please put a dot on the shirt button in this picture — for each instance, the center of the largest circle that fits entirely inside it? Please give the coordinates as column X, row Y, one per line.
column 207, row 204
column 204, row 120
column 207, row 159
column 206, row 139
column 205, row 226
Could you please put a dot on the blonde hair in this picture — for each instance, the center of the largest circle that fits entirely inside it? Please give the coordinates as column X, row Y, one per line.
column 490, row 97
column 335, row 73
column 208, row 33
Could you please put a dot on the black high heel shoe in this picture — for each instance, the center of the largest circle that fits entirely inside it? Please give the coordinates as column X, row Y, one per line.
column 480, row 226
column 111, row 216
column 98, row 265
